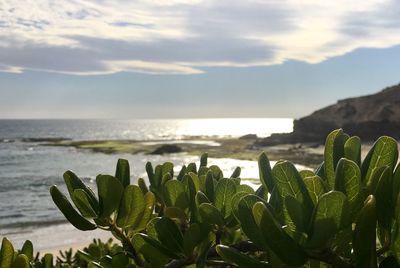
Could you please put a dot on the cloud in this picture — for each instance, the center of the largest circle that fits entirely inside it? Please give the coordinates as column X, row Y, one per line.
column 183, row 36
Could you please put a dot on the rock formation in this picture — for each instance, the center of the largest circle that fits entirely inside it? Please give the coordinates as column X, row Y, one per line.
column 367, row 117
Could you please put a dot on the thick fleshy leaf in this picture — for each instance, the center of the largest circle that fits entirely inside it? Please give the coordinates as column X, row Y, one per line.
column 306, row 173
column 236, row 172
column 167, row 167
column 234, row 256
column 169, row 235
column 81, row 201
column 123, row 172
column 245, row 188
column 348, row 181
column 288, row 182
column 174, row 194
column 265, row 172
column 27, row 249
column 192, row 167
column 396, row 184
column 330, row 215
column 69, row 212
column 384, row 199
column 191, row 238
column 6, row 253
column 224, row 192
column 246, row 219
column 149, row 201
column 216, row 172
column 315, row 187
column 209, row 189
column 211, row 214
column 352, row 149
column 364, row 239
column 142, row 185
column 395, row 245
column 110, row 191
column 21, row 261
column 201, row 198
column 73, row 183
column 279, row 242
column 47, row 260
column 203, row 160
column 383, row 153
column 334, row 150
column 295, row 212
column 131, row 208
column 176, row 213
column 151, row 247
column 150, row 173
column 235, row 202
column 181, row 173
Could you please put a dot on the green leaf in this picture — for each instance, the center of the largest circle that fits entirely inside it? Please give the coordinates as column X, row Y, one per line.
column 234, row 256
column 236, row 172
column 6, row 253
column 201, row 198
column 191, row 168
column 191, row 238
column 364, row 239
column 21, row 261
column 334, row 150
column 169, row 235
column 224, row 192
column 294, row 209
column 288, row 182
column 348, row 181
column 211, row 214
column 69, row 212
column 279, row 242
column 150, row 173
column 81, row 201
column 306, row 173
column 383, row 153
column 384, row 205
column 181, row 173
column 209, row 191
column 265, row 172
column 396, row 184
column 315, row 187
column 73, row 183
column 216, row 172
column 142, row 185
column 235, row 202
column 27, row 249
column 47, row 260
column 131, row 208
column 352, row 149
column 123, row 172
column 149, row 203
column 245, row 216
column 152, row 255
column 330, row 215
column 395, row 245
column 203, row 160
column 151, row 248
column 174, row 194
column 110, row 191
column 245, row 188
column 176, row 213
column 167, row 167
column 376, row 177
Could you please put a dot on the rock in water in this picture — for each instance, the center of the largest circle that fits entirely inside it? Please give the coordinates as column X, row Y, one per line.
column 167, row 149
column 368, row 117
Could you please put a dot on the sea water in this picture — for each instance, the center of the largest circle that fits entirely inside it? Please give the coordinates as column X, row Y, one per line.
column 28, row 168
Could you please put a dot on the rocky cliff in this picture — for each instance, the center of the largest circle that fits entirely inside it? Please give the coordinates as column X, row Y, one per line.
column 367, row 117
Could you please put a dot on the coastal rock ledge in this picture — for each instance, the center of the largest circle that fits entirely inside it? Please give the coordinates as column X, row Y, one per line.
column 368, row 117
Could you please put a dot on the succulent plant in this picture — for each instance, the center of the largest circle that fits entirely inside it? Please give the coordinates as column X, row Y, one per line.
column 346, row 213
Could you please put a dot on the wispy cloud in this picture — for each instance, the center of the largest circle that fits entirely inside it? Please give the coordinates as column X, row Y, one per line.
column 181, row 37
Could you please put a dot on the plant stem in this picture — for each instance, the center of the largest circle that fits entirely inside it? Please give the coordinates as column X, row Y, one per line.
column 126, row 243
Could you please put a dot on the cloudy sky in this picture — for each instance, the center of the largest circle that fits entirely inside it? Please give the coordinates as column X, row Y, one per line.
column 192, row 58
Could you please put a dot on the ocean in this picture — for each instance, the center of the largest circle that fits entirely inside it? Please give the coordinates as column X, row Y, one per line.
column 28, row 168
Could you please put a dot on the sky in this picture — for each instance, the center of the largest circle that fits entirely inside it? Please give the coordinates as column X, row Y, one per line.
column 192, row 58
